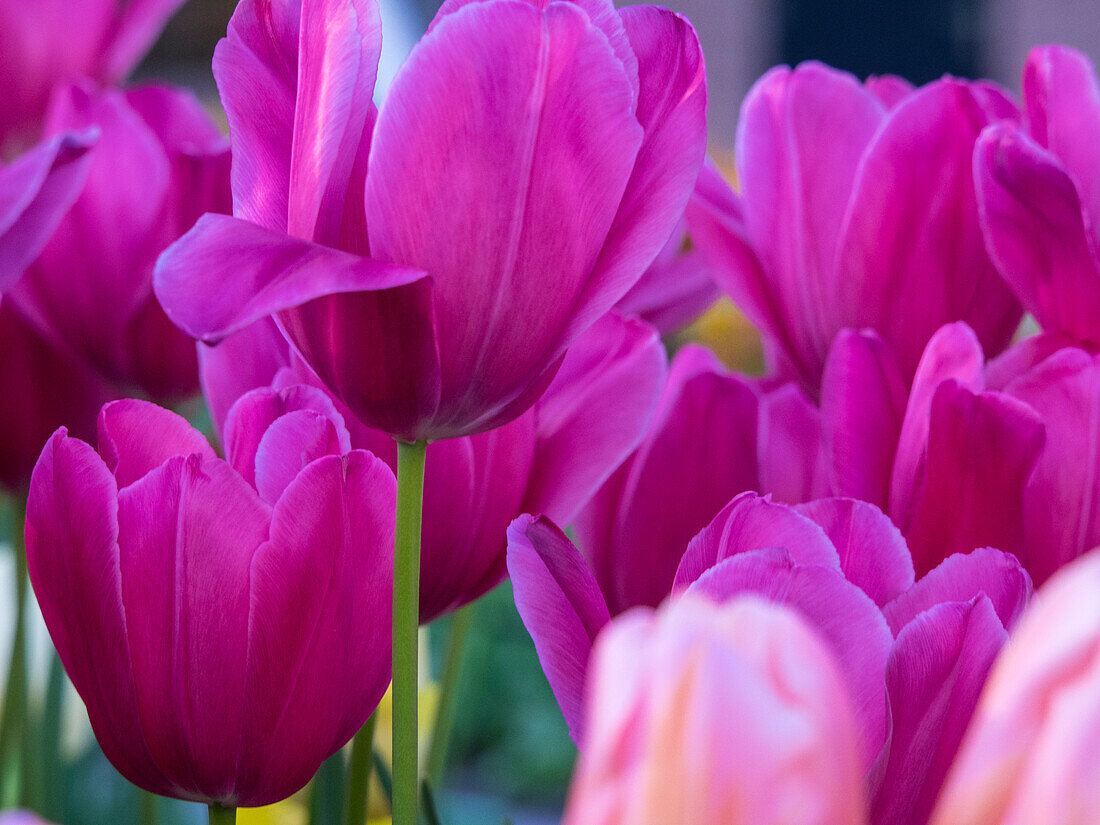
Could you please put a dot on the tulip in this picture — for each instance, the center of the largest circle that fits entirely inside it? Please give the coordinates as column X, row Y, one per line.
column 226, row 622
column 526, row 166
column 550, row 460
column 50, row 42
column 1030, row 753
column 708, row 715
column 1038, row 189
column 81, row 325
column 838, row 224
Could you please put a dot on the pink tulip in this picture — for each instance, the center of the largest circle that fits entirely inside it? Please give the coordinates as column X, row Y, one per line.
column 1030, row 753
column 708, row 715
column 838, row 223
column 226, row 622
column 81, row 325
column 1039, row 194
column 527, row 165
column 551, row 459
column 50, row 42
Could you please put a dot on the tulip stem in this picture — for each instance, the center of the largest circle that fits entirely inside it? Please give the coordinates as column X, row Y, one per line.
column 406, row 622
column 222, row 816
column 362, row 747
column 445, row 714
column 13, row 720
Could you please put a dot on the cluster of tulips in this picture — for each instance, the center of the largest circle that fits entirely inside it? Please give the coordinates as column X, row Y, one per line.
column 430, row 337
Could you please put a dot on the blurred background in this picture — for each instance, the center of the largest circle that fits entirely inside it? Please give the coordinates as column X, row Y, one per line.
column 511, row 757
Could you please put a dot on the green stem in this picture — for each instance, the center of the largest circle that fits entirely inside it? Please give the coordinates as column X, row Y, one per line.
column 359, row 773
column 445, row 714
column 147, row 808
column 327, row 794
column 222, row 816
column 14, row 715
column 50, row 768
column 406, row 622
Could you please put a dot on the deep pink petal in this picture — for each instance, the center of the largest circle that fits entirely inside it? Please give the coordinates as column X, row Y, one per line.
column 136, row 437
column 505, row 200
column 934, row 677
column 1043, row 242
column 594, row 414
column 749, row 523
column 560, row 604
column 244, row 361
column 35, row 192
column 912, row 257
column 1022, row 357
column 889, row 89
column 982, row 449
column 319, row 634
column 792, row 461
column 675, row 290
column 187, row 533
column 842, row 613
column 873, row 553
column 1062, row 501
column 73, row 557
column 863, row 400
column 960, row 578
column 136, row 26
column 289, row 445
column 953, row 353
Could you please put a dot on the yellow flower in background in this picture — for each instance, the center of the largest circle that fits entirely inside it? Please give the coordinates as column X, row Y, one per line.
column 288, row 812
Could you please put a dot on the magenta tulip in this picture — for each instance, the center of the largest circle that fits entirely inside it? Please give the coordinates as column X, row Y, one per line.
column 51, row 42
column 1039, row 193
column 550, row 460
column 433, row 260
column 226, row 622
column 838, row 223
column 708, row 715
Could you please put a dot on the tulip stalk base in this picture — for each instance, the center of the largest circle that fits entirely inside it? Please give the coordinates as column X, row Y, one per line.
column 448, row 687
column 406, row 622
column 222, row 816
column 14, row 714
column 359, row 769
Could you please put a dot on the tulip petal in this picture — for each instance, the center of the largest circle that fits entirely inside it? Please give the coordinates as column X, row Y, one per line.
column 863, row 399
column 499, row 202
column 672, row 104
column 1022, row 357
column 1043, row 243
column 73, row 558
column 889, row 89
column 792, row 463
column 873, row 553
column 981, row 451
column 136, row 437
column 911, row 254
column 292, row 442
column 751, row 522
column 244, row 361
column 187, row 533
column 594, row 414
column 1062, row 505
column 842, row 613
column 934, row 677
column 561, row 606
column 320, row 593
column 962, row 577
column 139, row 24
column 35, row 192
column 953, row 352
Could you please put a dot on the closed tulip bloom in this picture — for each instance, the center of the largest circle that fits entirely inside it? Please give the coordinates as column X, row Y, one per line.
column 1030, row 753
column 838, row 225
column 50, row 42
column 432, row 260
column 226, row 622
column 717, row 715
column 1039, row 193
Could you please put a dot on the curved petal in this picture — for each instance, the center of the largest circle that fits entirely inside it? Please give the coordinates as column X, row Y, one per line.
column 538, row 169
column 560, row 604
column 187, row 533
column 594, row 414
column 289, row 445
column 934, row 677
column 792, row 461
column 319, row 635
column 982, row 449
column 35, row 193
column 1038, row 233
column 246, row 360
column 911, row 257
column 873, row 553
column 984, row 572
column 136, row 437
column 1022, row 357
column 844, row 616
column 863, row 400
column 749, row 523
column 73, row 559
column 137, row 25
column 889, row 89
